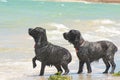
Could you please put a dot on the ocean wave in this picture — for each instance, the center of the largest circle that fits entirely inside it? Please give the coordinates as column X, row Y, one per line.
column 3, row 1
column 39, row 0
column 85, row 2
column 59, row 26
column 56, row 28
column 112, row 30
column 118, row 24
column 104, row 21
column 93, row 37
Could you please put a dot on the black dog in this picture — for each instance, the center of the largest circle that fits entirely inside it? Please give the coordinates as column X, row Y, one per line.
column 48, row 53
column 88, row 52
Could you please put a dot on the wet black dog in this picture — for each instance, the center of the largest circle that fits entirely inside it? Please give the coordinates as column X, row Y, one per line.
column 88, row 52
column 48, row 53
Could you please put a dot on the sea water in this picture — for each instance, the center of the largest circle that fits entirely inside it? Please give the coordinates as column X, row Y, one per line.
column 95, row 21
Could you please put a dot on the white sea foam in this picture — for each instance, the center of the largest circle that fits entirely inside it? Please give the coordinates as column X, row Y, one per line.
column 112, row 30
column 39, row 0
column 85, row 2
column 58, row 29
column 107, row 21
column 104, row 21
column 118, row 24
column 3, row 1
column 59, row 26
column 30, row 38
column 93, row 37
column 62, row 5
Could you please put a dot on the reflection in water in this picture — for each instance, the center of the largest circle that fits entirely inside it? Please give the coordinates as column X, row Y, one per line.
column 85, row 77
column 96, row 77
column 42, row 78
column 69, row 77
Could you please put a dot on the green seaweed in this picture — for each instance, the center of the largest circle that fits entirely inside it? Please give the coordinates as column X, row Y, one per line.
column 116, row 74
column 58, row 76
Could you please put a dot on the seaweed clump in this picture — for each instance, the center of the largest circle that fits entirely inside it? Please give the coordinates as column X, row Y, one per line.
column 59, row 76
column 116, row 74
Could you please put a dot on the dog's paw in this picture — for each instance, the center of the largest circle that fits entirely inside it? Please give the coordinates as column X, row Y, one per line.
column 79, row 72
column 34, row 65
column 65, row 73
column 58, row 73
column 105, row 72
column 89, row 71
column 41, row 74
column 111, row 72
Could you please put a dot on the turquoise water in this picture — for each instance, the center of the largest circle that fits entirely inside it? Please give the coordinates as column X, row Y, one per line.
column 28, row 11
column 96, row 21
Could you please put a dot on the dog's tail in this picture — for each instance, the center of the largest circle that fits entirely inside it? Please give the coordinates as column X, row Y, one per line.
column 115, row 49
column 68, row 56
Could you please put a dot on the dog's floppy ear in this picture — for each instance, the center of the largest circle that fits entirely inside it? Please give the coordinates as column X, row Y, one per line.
column 45, row 31
column 77, row 38
column 38, row 42
column 45, row 36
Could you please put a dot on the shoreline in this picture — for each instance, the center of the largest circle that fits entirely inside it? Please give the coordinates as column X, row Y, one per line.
column 99, row 1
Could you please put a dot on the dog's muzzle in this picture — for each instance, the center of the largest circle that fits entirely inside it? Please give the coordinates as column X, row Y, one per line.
column 65, row 36
column 30, row 29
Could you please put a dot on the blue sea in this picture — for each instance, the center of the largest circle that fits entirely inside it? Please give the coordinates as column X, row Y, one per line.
column 95, row 21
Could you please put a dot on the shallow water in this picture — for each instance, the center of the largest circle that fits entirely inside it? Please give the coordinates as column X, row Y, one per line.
column 95, row 22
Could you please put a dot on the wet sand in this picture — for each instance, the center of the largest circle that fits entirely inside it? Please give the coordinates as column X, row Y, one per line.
column 74, row 76
column 23, row 70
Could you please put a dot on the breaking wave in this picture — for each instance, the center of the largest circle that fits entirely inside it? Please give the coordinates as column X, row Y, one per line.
column 3, row 1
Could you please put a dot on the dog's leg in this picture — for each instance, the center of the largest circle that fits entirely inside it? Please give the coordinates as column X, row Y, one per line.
column 88, row 67
column 65, row 67
column 33, row 61
column 81, row 64
column 42, row 68
column 113, row 64
column 58, row 68
column 107, row 64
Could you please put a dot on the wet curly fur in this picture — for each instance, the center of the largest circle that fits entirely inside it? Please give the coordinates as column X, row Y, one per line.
column 88, row 52
column 47, row 53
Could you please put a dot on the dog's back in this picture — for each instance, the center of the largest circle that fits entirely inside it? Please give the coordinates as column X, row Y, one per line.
column 96, row 50
column 54, row 54
column 109, row 46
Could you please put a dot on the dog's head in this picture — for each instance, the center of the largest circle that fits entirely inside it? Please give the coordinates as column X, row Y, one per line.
column 73, row 36
column 38, row 33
